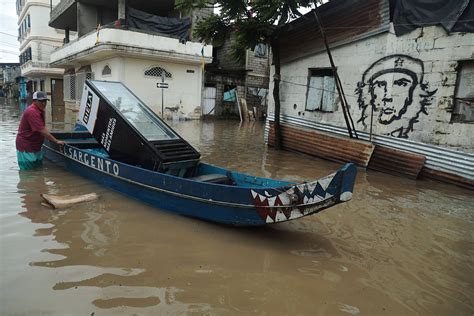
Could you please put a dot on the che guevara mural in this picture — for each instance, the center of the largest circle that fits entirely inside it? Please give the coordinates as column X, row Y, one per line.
column 393, row 96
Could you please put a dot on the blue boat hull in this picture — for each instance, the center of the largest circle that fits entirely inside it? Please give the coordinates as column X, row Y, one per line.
column 252, row 201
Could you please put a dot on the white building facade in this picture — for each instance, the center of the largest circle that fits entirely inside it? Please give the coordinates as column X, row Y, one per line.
column 37, row 41
column 138, row 58
column 411, row 93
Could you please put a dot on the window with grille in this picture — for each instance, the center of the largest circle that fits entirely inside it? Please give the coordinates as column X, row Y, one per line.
column 74, row 85
column 106, row 71
column 157, row 72
column 25, row 56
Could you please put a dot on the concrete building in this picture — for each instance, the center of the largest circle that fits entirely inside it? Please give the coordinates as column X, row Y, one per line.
column 114, row 44
column 410, row 96
column 37, row 41
column 249, row 78
column 9, row 72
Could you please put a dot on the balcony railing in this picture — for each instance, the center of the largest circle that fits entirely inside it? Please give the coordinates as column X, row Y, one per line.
column 132, row 43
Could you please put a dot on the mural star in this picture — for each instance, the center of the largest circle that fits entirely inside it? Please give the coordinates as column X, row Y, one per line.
column 399, row 62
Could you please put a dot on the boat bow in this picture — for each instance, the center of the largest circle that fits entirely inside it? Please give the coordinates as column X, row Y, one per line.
column 291, row 202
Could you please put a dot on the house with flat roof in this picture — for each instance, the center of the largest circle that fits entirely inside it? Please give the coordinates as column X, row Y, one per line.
column 139, row 43
column 246, row 79
column 406, row 69
column 37, row 41
column 9, row 72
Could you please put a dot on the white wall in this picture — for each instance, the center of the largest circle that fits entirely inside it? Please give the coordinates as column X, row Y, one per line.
column 439, row 54
column 39, row 18
column 40, row 37
column 184, row 88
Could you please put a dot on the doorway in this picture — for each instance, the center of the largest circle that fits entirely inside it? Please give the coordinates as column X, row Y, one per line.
column 209, row 104
column 57, row 101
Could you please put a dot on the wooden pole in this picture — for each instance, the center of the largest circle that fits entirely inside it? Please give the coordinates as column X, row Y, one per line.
column 276, row 90
column 340, row 90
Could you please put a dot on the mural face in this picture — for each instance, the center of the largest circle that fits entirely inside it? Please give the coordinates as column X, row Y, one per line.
column 388, row 86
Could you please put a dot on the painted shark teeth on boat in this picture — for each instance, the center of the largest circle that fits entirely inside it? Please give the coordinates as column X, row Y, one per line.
column 271, row 200
column 280, row 216
column 295, row 202
column 324, row 182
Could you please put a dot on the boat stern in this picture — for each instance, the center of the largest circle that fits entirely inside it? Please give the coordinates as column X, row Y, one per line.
column 348, row 176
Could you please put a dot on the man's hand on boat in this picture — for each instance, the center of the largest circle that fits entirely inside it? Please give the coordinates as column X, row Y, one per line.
column 45, row 132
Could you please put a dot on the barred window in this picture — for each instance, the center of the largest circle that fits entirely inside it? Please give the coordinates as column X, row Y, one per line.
column 25, row 56
column 74, row 84
column 106, row 71
column 72, row 87
column 157, row 72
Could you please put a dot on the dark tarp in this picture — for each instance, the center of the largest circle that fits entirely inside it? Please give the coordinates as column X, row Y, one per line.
column 153, row 23
column 466, row 21
column 453, row 15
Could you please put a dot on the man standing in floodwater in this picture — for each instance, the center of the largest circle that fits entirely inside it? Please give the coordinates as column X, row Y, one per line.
column 31, row 133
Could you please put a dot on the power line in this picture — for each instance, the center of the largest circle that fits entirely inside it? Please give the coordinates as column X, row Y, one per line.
column 8, row 52
column 15, row 36
column 315, row 88
column 9, row 44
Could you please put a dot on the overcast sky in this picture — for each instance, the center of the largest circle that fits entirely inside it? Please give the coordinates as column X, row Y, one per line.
column 9, row 45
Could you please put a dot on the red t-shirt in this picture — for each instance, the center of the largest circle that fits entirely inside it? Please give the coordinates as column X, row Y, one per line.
column 29, row 138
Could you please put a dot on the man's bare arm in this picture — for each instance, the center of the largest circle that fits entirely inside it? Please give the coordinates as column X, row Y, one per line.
column 45, row 132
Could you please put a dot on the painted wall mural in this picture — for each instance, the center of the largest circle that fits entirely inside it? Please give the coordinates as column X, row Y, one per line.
column 393, row 94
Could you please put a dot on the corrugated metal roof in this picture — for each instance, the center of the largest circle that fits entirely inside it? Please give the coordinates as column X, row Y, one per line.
column 344, row 21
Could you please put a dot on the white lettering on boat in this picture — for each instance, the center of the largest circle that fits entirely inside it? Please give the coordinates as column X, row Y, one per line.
column 93, row 161
column 106, row 138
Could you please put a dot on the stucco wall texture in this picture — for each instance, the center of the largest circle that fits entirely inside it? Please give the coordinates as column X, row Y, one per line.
column 410, row 81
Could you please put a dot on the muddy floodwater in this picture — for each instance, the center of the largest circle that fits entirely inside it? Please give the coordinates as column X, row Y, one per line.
column 400, row 247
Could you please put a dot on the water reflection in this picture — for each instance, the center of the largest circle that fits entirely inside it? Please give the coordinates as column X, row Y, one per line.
column 164, row 259
column 86, row 242
column 400, row 247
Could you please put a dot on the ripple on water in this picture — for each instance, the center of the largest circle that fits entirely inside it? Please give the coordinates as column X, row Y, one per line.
column 399, row 247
